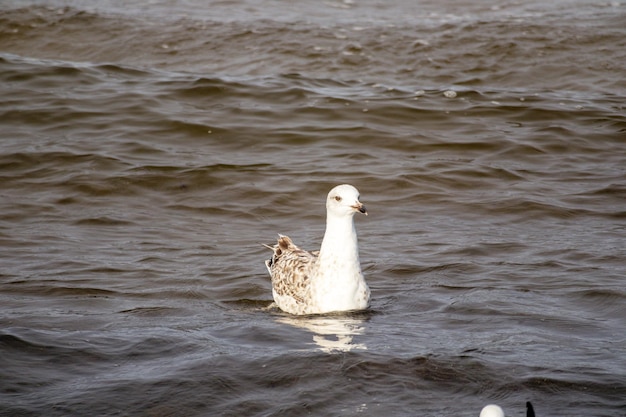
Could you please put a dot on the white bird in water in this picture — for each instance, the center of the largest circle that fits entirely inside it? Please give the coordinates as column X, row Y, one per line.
column 493, row 410
column 329, row 280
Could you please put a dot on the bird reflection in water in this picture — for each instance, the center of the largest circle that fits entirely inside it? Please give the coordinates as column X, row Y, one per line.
column 331, row 333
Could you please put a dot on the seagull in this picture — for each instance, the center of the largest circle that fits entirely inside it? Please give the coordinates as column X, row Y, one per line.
column 492, row 410
column 329, row 280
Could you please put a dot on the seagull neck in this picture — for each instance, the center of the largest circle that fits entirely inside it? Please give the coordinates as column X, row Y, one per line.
column 339, row 238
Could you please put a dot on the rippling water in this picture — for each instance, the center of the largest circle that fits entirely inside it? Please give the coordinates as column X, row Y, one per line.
column 149, row 148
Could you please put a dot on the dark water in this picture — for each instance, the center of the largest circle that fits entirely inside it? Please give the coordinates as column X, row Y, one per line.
column 147, row 149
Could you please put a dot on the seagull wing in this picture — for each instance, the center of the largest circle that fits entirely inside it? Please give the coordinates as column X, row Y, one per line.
column 290, row 268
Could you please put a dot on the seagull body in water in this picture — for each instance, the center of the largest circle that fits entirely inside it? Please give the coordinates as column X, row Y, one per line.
column 327, row 281
column 493, row 410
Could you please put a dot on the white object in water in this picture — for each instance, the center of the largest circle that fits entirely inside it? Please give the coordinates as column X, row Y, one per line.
column 327, row 281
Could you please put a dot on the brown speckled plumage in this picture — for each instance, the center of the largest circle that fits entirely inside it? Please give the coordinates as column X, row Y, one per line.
column 290, row 268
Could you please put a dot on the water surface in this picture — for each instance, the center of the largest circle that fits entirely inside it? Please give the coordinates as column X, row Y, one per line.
column 147, row 150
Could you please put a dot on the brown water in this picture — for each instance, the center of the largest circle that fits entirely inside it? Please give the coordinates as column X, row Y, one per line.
column 147, row 149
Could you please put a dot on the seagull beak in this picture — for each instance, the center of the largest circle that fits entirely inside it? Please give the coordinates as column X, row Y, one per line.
column 360, row 208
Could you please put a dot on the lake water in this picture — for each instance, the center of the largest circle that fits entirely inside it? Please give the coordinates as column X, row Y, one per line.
column 148, row 149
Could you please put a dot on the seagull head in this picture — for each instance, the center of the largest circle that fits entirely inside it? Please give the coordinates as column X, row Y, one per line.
column 492, row 410
column 343, row 200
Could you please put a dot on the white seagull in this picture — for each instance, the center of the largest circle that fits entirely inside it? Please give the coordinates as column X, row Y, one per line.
column 329, row 280
column 492, row 410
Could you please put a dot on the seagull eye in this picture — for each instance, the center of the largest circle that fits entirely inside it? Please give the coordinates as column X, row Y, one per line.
column 337, row 198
